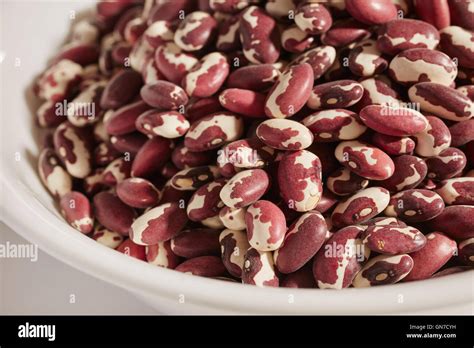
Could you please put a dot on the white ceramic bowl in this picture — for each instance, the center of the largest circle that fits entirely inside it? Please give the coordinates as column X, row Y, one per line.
column 31, row 33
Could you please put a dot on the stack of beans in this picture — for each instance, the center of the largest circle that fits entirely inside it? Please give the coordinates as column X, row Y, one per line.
column 278, row 143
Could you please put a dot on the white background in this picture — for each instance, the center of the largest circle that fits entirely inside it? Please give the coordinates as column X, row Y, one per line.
column 47, row 286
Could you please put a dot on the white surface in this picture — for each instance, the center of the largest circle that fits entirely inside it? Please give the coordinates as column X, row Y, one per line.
column 28, row 208
column 48, row 286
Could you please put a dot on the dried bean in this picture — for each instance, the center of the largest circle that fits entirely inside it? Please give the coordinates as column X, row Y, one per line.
column 258, row 268
column 426, row 261
column 382, row 270
column 303, row 240
column 393, row 239
column 234, row 245
column 360, row 207
column 77, row 211
column 112, row 213
column 300, row 180
column 158, row 224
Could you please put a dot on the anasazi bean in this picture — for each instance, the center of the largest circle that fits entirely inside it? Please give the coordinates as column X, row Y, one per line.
column 276, row 142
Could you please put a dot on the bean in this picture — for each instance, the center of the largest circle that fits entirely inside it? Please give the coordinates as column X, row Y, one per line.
column 426, row 261
column 207, row 76
column 121, row 89
column 334, row 125
column 339, row 260
column 191, row 179
column 168, row 124
column 403, row 34
column 151, row 157
column 129, row 248
column 313, row 18
column 228, row 39
column 158, row 33
column 211, row 131
column 462, row 14
column 335, row 95
column 122, row 121
column 366, row 60
column 403, row 121
column 266, row 225
column 73, row 147
column 320, row 59
column 422, row 65
column 247, row 153
column 457, row 191
column 138, row 193
column 441, row 100
column 302, row 278
column 106, row 237
column 373, row 11
column 451, row 270
column 195, row 31
column 164, row 95
column 456, row 221
column 393, row 145
column 382, row 270
column 434, row 139
column 228, row 6
column 112, row 213
column 447, row 164
column 204, row 266
column 303, row 240
column 245, row 188
column 393, row 240
column 466, row 252
column 343, row 182
column 254, row 77
column 205, row 203
column 244, row 102
column 57, row 83
column 173, row 63
column 436, row 13
column 196, row 242
column 53, row 175
column 259, row 269
column 233, row 218
column 116, row 171
column 77, row 211
column 462, row 132
column 458, row 42
column 291, row 91
column 409, row 172
column 345, row 32
column 415, row 205
column 377, row 91
column 158, row 224
column 299, row 179
column 234, row 245
column 365, row 160
column 360, row 207
column 284, row 134
column 161, row 255
column 258, row 36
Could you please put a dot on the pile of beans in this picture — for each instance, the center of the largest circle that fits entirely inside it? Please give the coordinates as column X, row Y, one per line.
column 278, row 143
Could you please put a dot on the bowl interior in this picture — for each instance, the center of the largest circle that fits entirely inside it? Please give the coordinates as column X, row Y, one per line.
column 28, row 208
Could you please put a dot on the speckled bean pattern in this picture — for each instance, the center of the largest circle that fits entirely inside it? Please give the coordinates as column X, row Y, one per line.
column 442, row 101
column 284, row 143
column 335, row 95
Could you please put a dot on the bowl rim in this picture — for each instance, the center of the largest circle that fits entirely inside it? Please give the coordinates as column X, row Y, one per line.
column 81, row 252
